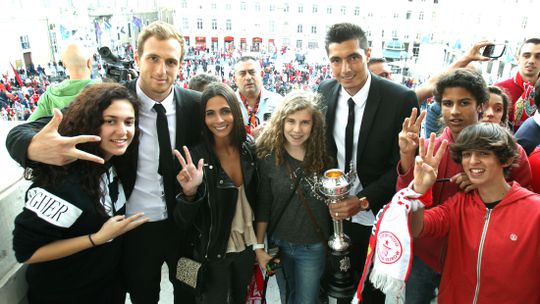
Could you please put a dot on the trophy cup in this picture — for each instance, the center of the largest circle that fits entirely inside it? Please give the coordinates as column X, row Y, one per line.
column 333, row 186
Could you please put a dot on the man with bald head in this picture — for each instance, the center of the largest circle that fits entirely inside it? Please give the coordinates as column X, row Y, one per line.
column 256, row 103
column 78, row 62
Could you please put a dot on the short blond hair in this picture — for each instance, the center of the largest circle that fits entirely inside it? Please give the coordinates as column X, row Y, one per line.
column 162, row 31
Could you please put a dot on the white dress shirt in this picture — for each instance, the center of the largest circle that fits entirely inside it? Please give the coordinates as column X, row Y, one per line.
column 365, row 218
column 148, row 194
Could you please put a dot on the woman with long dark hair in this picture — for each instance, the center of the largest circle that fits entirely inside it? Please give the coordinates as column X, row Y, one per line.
column 218, row 197
column 68, row 230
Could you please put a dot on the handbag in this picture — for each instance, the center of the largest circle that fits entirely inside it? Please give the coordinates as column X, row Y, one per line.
column 190, row 273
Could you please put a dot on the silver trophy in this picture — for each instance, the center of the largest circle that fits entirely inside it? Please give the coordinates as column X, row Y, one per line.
column 333, row 186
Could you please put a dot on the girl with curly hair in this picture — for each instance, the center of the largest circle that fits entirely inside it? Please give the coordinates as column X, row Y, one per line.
column 291, row 148
column 68, row 229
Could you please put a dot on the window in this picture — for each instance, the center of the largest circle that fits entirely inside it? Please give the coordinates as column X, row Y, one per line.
column 25, row 44
column 524, row 23
column 272, row 7
column 214, row 24
column 394, row 34
column 298, row 44
column 315, row 9
column 228, row 24
column 258, row 6
column 314, row 29
column 214, row 5
column 329, row 10
column 421, row 16
column 199, row 24
column 286, row 8
column 435, row 1
column 183, row 4
column 313, row 45
column 185, row 23
column 242, row 6
column 299, row 28
column 228, row 6
column 356, row 11
column 300, row 8
column 272, row 26
column 343, row 10
column 396, row 15
column 408, row 16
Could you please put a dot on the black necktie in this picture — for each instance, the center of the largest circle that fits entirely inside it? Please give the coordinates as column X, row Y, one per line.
column 165, row 153
column 349, row 136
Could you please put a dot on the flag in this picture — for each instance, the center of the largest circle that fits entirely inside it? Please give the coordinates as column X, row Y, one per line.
column 137, row 22
column 107, row 25
column 17, row 75
column 98, row 29
column 64, row 32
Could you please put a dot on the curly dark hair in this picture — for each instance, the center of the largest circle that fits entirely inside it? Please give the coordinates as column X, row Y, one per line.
column 466, row 79
column 488, row 137
column 272, row 139
column 84, row 117
column 238, row 133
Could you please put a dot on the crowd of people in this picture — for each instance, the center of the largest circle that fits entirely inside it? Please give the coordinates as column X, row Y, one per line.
column 162, row 169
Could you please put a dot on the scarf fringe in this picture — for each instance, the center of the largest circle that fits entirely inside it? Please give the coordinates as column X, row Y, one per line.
column 387, row 284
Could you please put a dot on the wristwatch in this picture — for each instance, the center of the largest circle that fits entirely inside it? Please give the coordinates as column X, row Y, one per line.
column 258, row 246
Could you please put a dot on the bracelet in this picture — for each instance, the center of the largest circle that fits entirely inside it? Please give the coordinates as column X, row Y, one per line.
column 258, row 246
column 91, row 241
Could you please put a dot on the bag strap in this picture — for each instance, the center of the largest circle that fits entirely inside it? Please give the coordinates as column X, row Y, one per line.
column 272, row 228
column 302, row 198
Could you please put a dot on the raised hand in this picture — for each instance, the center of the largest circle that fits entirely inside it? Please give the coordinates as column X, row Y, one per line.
column 118, row 225
column 190, row 177
column 49, row 147
column 427, row 164
column 408, row 138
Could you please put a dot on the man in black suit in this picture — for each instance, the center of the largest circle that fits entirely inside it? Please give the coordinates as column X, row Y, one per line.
column 149, row 187
column 364, row 116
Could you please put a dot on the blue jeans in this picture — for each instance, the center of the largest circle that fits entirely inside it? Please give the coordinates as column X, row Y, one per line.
column 421, row 283
column 303, row 267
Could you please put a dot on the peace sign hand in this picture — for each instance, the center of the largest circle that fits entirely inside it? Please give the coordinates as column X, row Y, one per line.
column 190, row 177
column 410, row 132
column 427, row 164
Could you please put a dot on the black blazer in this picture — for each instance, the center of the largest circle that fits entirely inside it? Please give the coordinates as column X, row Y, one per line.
column 387, row 105
column 188, row 133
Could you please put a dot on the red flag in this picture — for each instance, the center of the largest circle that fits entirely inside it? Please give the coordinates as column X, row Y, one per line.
column 17, row 75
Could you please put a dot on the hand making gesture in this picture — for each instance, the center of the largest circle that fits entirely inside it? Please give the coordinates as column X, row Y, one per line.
column 427, row 164
column 190, row 177
column 49, row 147
column 408, row 138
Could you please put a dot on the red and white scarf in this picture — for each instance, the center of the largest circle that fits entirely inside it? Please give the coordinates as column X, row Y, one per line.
column 390, row 244
column 524, row 106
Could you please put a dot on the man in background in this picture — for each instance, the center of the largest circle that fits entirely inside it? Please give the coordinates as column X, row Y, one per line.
column 78, row 62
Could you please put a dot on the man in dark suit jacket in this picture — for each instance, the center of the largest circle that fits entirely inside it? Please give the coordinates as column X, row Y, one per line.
column 369, row 111
column 159, row 56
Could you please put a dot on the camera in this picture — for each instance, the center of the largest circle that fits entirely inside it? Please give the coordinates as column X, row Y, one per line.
column 117, row 69
column 494, row 51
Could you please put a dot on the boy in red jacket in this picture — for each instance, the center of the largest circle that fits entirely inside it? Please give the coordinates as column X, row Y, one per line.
column 492, row 231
